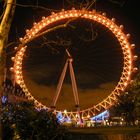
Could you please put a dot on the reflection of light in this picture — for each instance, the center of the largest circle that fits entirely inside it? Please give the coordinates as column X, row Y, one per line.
column 112, row 26
column 122, row 37
column 65, row 111
column 125, row 84
column 115, row 29
column 103, row 21
column 17, row 72
column 119, row 33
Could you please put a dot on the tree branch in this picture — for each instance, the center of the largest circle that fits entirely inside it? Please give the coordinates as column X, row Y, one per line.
column 45, row 32
column 33, row 6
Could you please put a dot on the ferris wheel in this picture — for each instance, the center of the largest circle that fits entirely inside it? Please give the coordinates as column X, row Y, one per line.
column 41, row 27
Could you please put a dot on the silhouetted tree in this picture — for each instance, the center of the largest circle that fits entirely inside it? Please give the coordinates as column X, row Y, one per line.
column 23, row 121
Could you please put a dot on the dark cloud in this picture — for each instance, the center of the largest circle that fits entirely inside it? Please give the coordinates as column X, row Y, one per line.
column 87, row 97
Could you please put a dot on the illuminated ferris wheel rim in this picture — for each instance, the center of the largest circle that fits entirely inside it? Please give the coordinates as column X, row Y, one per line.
column 93, row 16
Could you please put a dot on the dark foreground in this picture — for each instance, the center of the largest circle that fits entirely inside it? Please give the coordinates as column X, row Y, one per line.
column 104, row 133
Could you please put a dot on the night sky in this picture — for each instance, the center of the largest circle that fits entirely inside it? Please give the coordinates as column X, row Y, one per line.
column 97, row 63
